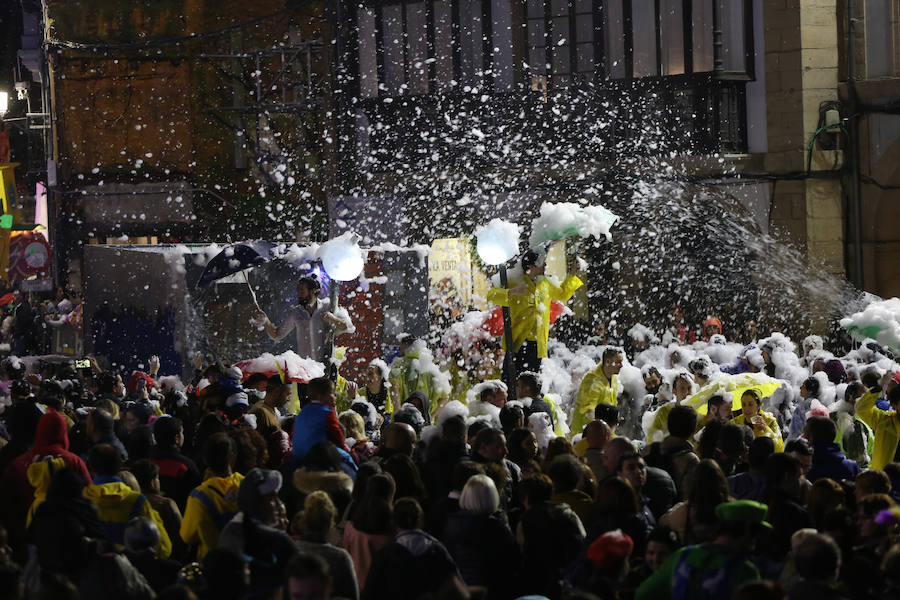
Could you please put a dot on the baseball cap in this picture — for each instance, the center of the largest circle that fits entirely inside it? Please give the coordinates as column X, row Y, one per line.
column 257, row 484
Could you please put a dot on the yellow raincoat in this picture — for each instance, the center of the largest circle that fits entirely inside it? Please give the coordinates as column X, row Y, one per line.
column 530, row 312
column 885, row 424
column 405, row 380
column 772, row 429
column 595, row 389
column 39, row 475
column 117, row 504
column 209, row 508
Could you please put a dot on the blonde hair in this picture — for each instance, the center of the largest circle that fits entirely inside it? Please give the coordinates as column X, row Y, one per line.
column 109, row 406
column 480, row 495
column 319, row 514
column 130, row 480
column 353, row 425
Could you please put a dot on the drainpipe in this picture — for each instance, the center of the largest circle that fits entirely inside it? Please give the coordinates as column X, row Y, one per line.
column 853, row 143
column 718, row 59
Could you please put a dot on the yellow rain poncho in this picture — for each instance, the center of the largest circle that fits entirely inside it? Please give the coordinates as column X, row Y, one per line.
column 885, row 424
column 530, row 312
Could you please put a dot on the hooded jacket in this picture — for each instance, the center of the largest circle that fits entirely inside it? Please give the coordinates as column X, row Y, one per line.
column 595, row 389
column 530, row 312
column 885, row 424
column 772, row 429
column 210, row 507
column 829, row 461
column 117, row 504
column 51, row 440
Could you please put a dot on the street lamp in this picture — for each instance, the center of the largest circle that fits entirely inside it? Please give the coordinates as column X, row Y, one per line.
column 342, row 260
column 497, row 244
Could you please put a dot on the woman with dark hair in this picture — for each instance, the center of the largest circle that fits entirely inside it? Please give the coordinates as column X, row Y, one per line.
column 556, row 447
column 618, row 507
column 375, row 389
column 252, row 450
column 406, row 477
column 522, row 445
column 371, row 524
column 694, row 520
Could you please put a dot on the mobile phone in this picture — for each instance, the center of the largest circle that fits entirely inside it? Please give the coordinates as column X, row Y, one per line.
column 83, row 364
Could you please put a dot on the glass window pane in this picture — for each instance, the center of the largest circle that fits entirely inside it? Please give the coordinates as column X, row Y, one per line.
column 537, row 60
column 471, row 43
column 584, row 28
column 559, row 8
column 417, row 50
column 561, row 60
column 368, row 56
column 702, row 28
column 501, row 36
column 392, row 24
column 733, row 35
column 585, row 58
column 535, row 9
column 560, row 28
column 672, row 23
column 878, row 38
column 615, row 41
column 584, row 6
column 443, row 45
column 643, row 22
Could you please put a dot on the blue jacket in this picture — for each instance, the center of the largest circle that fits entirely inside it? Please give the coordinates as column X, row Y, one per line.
column 829, row 461
column 311, row 427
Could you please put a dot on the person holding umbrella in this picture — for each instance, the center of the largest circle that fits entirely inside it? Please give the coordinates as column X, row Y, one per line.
column 312, row 320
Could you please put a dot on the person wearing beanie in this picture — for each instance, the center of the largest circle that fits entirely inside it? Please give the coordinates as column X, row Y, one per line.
column 606, row 566
column 257, row 531
column 715, row 569
column 141, row 537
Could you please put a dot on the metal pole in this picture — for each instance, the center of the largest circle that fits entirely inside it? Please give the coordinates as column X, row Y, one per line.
column 331, row 368
column 853, row 134
column 509, row 365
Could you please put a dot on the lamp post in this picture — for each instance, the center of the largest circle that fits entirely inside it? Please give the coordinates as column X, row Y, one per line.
column 497, row 244
column 343, row 261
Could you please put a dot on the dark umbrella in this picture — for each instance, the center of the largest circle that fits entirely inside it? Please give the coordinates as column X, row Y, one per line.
column 233, row 259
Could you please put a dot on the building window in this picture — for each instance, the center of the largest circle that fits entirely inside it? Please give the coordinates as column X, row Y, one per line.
column 572, row 40
column 434, row 46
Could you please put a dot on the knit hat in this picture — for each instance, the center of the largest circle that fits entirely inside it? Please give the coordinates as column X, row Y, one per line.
column 746, row 511
column 610, row 548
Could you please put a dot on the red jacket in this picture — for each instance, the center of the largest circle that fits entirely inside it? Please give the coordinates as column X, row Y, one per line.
column 51, row 439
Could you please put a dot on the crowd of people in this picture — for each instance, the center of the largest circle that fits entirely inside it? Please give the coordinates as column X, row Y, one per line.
column 683, row 467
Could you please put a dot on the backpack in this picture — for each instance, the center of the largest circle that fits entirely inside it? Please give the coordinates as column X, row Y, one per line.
column 699, row 581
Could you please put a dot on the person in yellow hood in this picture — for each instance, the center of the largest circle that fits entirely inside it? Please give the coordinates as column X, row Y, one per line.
column 213, row 503
column 600, row 385
column 762, row 422
column 529, row 308
column 116, row 502
column 885, row 423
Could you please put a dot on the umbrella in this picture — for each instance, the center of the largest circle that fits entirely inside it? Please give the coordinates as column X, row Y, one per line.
column 566, row 219
column 235, row 258
column 736, row 385
column 880, row 321
column 288, row 365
